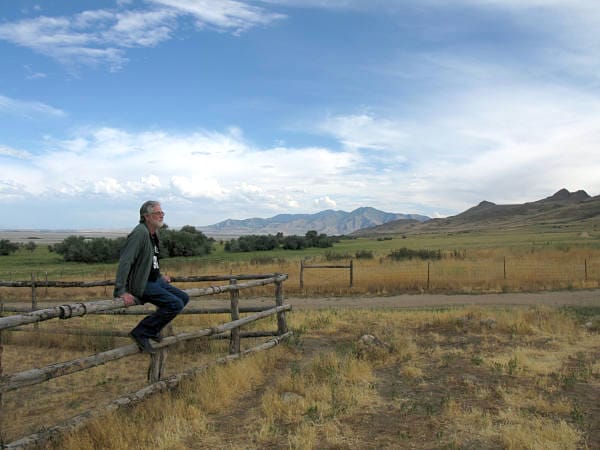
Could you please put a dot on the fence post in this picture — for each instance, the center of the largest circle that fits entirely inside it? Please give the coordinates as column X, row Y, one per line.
column 281, row 323
column 351, row 273
column 157, row 363
column 234, row 340
column 504, row 267
column 34, row 298
column 428, row 270
column 33, row 293
column 301, row 273
column 586, row 272
column 158, row 359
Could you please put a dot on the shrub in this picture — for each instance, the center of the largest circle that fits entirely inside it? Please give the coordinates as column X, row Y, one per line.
column 335, row 256
column 364, row 254
column 406, row 253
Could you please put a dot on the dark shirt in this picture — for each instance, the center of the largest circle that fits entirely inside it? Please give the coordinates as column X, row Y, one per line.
column 155, row 269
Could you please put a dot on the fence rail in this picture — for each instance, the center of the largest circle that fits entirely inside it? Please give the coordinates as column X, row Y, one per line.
column 349, row 266
column 231, row 330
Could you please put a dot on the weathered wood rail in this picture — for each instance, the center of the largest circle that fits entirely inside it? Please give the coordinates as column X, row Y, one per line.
column 349, row 266
column 231, row 330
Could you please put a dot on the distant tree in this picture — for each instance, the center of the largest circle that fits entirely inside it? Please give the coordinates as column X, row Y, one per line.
column 311, row 238
column 186, row 242
column 7, row 247
column 31, row 246
column 97, row 250
column 294, row 243
column 251, row 243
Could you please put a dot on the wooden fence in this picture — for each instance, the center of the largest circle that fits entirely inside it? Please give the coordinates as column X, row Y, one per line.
column 157, row 382
column 349, row 266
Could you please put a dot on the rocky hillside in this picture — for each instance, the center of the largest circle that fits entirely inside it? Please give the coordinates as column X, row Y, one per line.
column 563, row 209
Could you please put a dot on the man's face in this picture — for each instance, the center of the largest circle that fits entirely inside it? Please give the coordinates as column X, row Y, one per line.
column 156, row 218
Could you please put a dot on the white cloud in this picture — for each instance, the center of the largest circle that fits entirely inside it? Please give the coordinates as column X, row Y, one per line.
column 197, row 187
column 27, row 109
column 141, row 28
column 364, row 131
column 324, row 203
column 14, row 153
column 102, row 36
column 513, row 142
column 91, row 37
column 197, row 165
column 223, row 14
column 10, row 190
column 109, row 186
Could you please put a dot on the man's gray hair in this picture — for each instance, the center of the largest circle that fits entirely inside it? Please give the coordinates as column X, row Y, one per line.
column 147, row 208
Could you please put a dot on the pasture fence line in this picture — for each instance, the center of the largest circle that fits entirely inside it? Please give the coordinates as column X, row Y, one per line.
column 349, row 266
column 133, row 398
column 230, row 330
column 34, row 283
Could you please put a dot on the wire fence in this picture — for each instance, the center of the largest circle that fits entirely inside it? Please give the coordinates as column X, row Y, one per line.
column 524, row 272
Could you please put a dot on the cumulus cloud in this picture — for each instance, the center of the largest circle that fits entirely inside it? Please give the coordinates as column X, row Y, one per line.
column 202, row 165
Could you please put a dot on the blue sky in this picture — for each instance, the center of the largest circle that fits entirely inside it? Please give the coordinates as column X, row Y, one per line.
column 237, row 109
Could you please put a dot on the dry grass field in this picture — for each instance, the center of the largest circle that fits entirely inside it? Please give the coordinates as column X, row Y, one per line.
column 434, row 376
column 473, row 272
column 461, row 377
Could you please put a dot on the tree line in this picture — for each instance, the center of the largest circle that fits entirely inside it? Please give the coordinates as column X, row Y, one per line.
column 185, row 242
column 256, row 242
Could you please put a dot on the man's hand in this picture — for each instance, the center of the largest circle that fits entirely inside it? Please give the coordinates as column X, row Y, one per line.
column 128, row 299
column 167, row 278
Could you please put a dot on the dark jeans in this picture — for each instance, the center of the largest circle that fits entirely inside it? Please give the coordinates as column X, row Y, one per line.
column 169, row 301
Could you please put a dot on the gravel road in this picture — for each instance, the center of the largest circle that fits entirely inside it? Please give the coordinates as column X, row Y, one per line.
column 551, row 298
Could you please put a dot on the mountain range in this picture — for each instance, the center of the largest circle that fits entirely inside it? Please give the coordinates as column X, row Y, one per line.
column 330, row 222
column 561, row 210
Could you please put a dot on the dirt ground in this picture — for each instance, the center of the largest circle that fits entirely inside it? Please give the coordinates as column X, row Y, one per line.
column 410, row 415
column 550, row 298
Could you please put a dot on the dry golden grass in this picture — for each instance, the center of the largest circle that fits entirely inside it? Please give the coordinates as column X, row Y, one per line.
column 473, row 271
column 458, row 378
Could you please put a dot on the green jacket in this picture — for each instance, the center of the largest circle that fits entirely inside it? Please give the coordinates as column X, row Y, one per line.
column 135, row 263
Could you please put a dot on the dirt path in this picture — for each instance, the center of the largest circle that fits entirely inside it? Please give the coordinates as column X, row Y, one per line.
column 550, row 298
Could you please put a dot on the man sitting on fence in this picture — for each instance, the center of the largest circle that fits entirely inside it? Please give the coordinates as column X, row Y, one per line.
column 139, row 280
